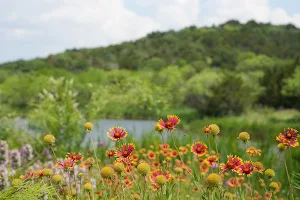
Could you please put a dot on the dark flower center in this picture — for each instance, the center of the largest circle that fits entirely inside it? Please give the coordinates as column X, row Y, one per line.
column 198, row 150
column 230, row 165
column 168, row 124
column 246, row 170
column 125, row 153
column 117, row 135
column 289, row 135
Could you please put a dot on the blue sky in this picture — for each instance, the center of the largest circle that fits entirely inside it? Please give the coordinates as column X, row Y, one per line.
column 37, row 28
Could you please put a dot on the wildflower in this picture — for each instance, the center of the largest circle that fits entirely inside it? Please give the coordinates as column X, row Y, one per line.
column 268, row 195
column 124, row 152
column 235, row 182
column 289, row 137
column 89, row 162
column 88, row 126
column 213, row 180
column 183, row 149
column 164, row 146
column 40, row 173
column 246, row 168
column 15, row 158
column 119, row 167
column 212, row 160
column 207, row 129
column 57, row 178
column 151, row 155
column 67, row 164
column 29, row 175
column 107, row 172
column 159, row 127
column 47, row 171
column 199, row 148
column 178, row 170
column 233, row 164
column 88, row 186
column 252, row 151
column 170, row 124
column 160, row 177
column 75, row 157
column 156, row 164
column 259, row 167
column 101, row 144
column 49, row 139
column 26, row 152
column 274, row 185
column 270, row 173
column 116, row 133
column 204, row 166
column 281, row 147
column 110, row 153
column 3, row 152
column 244, row 136
column 143, row 168
column 215, row 129
column 174, row 153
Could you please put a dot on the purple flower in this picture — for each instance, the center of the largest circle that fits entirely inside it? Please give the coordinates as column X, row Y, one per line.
column 101, row 144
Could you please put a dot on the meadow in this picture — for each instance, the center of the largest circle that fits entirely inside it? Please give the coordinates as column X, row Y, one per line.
column 224, row 111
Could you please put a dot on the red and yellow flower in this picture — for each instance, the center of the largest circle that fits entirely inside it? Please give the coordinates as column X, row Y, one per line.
column 199, row 148
column 75, row 157
column 66, row 164
column 252, row 151
column 110, row 153
column 212, row 160
column 232, row 164
column 246, row 168
column 170, row 124
column 124, row 152
column 151, row 155
column 235, row 182
column 116, row 133
column 289, row 137
column 154, row 174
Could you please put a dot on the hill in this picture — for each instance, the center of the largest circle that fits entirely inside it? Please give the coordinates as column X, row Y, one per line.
column 216, row 71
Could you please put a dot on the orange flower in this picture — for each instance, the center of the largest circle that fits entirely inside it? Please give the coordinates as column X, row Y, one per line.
column 125, row 152
column 199, row 148
column 235, row 182
column 207, row 129
column 116, row 133
column 170, row 124
column 164, row 146
column 156, row 164
column 67, row 164
column 158, row 172
column 75, row 157
column 252, row 151
column 233, row 164
column 174, row 153
column 204, row 166
column 289, row 137
column 151, row 155
column 246, row 168
column 110, row 153
column 212, row 160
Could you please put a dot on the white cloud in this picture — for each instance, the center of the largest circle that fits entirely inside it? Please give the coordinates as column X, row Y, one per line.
column 51, row 26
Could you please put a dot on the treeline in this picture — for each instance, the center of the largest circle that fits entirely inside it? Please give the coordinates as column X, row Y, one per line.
column 212, row 71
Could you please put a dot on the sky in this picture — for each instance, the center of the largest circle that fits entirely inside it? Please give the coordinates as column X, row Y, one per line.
column 37, row 28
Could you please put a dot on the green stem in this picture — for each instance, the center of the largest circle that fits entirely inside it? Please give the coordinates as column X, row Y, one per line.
column 289, row 179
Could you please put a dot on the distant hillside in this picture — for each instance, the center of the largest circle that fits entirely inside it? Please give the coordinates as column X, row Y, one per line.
column 216, row 46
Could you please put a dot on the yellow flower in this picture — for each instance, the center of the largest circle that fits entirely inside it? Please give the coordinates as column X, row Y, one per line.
column 88, row 186
column 47, row 172
column 215, row 129
column 49, row 139
column 213, row 180
column 244, row 136
column 107, row 172
column 57, row 178
column 178, row 170
column 160, row 180
column 281, row 146
column 136, row 197
column 274, row 185
column 88, row 126
column 270, row 173
column 143, row 168
column 119, row 167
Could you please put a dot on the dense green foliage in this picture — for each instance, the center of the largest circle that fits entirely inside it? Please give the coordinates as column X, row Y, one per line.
column 213, row 71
